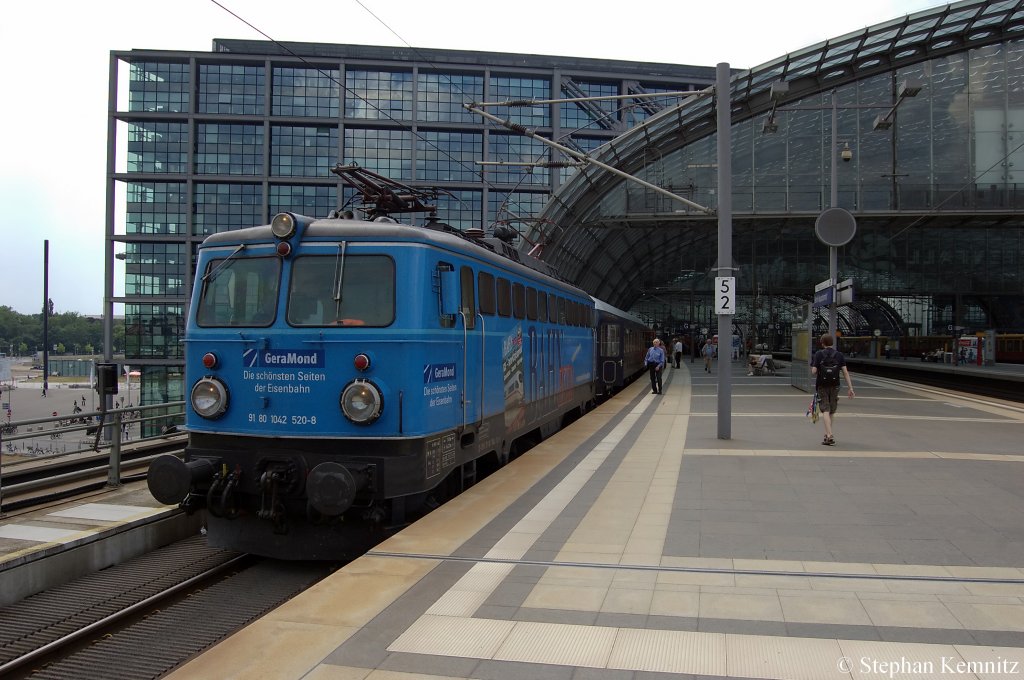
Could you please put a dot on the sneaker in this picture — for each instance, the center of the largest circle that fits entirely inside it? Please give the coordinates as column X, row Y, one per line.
column 828, row 441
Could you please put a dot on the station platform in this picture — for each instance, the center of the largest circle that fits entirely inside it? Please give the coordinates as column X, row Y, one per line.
column 636, row 544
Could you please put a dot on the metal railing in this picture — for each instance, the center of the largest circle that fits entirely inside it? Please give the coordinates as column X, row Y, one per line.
column 99, row 430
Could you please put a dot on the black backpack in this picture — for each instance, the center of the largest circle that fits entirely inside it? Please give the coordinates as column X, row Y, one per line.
column 828, row 369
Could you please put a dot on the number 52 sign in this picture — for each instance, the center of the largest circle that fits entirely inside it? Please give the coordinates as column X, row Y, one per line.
column 725, row 295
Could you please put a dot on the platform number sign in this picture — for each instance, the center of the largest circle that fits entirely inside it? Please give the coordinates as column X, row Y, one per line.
column 725, row 295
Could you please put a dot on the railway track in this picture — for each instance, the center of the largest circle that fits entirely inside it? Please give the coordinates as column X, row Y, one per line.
column 143, row 618
column 32, row 483
column 992, row 386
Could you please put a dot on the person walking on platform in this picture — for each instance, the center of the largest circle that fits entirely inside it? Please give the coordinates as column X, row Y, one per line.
column 655, row 360
column 827, row 365
column 708, row 352
column 678, row 349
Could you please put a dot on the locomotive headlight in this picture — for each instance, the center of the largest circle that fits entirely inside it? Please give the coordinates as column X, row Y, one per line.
column 209, row 398
column 361, row 402
column 283, row 225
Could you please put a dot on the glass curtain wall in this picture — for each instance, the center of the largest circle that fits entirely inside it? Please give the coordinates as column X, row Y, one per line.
column 210, row 146
column 952, row 149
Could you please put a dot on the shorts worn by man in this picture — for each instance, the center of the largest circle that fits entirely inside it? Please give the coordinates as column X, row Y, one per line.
column 827, row 366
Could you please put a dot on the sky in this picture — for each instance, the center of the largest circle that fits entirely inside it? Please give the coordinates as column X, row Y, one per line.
column 55, row 56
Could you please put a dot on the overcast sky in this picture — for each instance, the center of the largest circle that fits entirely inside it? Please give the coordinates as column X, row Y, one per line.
column 55, row 77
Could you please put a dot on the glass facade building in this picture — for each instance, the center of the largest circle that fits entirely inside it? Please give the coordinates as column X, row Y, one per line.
column 206, row 142
column 933, row 180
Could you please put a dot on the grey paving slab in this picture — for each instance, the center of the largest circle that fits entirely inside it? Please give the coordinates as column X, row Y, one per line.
column 601, row 674
column 427, row 664
column 501, row 670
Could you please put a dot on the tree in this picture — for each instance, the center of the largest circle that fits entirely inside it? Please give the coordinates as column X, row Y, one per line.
column 68, row 328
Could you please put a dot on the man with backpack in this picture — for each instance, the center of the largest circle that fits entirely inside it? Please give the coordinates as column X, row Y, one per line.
column 827, row 365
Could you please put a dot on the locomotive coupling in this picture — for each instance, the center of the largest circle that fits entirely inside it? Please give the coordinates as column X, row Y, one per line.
column 170, row 478
column 332, row 487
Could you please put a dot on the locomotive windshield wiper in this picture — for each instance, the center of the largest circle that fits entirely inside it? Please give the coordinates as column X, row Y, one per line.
column 213, row 273
column 339, row 273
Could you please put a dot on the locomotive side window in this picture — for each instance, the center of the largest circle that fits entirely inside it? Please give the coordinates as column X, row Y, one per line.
column 562, row 314
column 552, row 308
column 542, row 306
column 504, row 297
column 485, row 286
column 531, row 304
column 364, row 295
column 239, row 291
column 518, row 300
column 468, row 304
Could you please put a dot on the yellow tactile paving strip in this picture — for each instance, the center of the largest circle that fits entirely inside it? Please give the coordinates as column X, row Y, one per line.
column 626, row 526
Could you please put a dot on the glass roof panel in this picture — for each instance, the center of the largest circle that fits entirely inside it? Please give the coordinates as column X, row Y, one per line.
column 841, row 50
column 884, row 47
column 998, row 7
column 882, row 37
column 924, row 22
column 949, row 29
column 803, row 61
column 988, row 21
column 961, row 15
column 807, row 70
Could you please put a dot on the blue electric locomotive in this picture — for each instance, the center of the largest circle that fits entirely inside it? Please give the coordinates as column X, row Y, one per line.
column 344, row 373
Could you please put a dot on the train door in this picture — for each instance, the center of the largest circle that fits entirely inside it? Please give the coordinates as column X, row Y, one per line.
column 472, row 350
column 610, row 352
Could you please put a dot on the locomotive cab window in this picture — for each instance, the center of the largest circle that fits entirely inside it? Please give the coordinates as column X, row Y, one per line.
column 342, row 290
column 239, row 292
column 468, row 303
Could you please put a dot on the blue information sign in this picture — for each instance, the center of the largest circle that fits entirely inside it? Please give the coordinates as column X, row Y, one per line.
column 823, row 297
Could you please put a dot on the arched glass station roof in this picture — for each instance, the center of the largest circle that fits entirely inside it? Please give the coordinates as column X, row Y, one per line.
column 935, row 195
